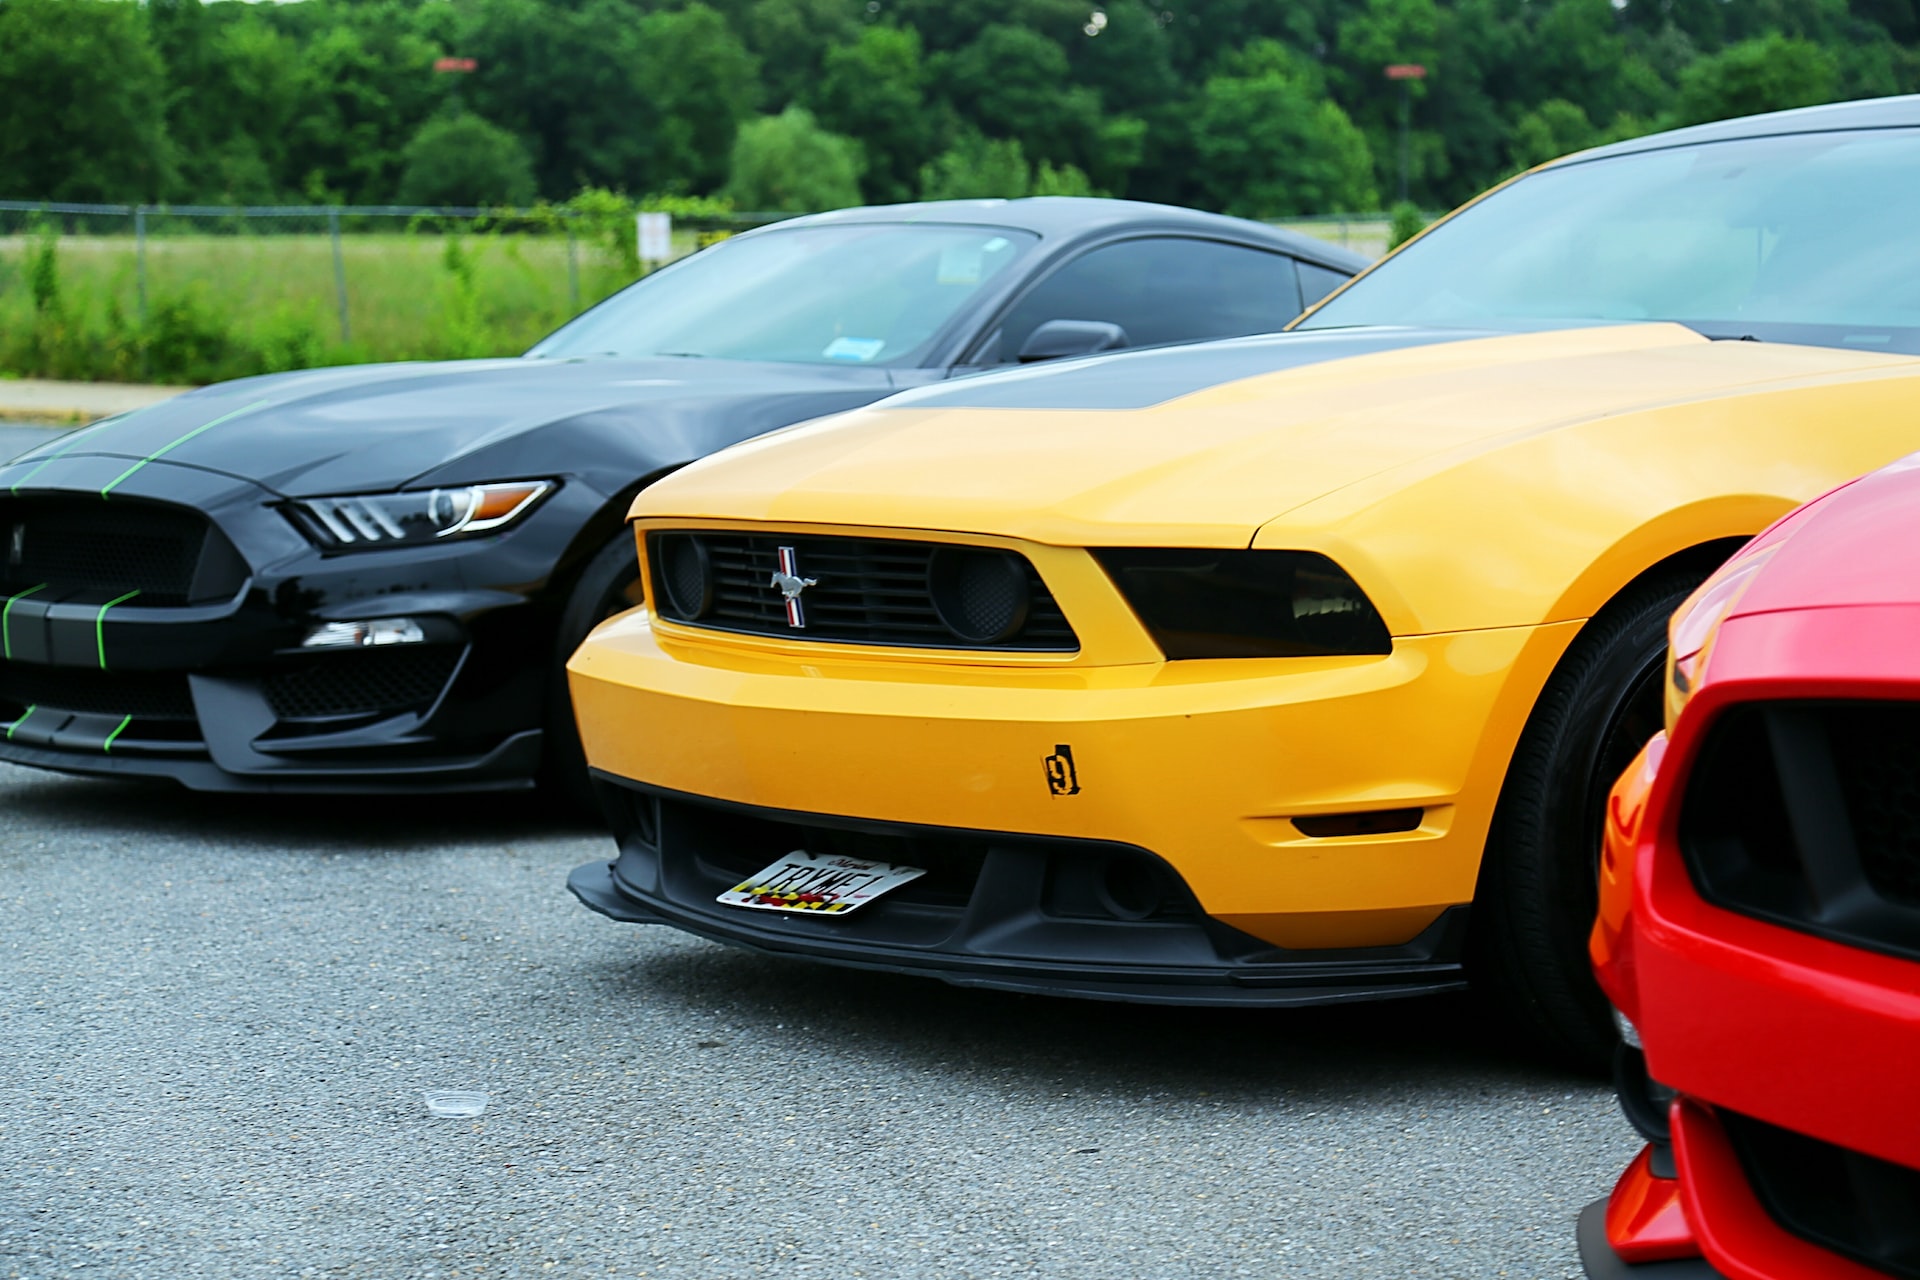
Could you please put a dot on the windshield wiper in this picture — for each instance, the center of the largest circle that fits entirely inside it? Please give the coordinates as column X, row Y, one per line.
column 1730, row 337
column 684, row 355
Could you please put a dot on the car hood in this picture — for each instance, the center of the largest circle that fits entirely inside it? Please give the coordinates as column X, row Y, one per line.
column 1851, row 548
column 372, row 427
column 1201, row 445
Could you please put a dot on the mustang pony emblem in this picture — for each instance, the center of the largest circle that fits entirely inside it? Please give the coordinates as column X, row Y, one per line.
column 787, row 578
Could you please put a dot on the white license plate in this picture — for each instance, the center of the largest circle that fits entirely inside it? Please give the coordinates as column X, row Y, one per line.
column 826, row 884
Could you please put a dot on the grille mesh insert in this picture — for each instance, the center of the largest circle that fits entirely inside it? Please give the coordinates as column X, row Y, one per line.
column 866, row 591
column 361, row 684
column 97, row 548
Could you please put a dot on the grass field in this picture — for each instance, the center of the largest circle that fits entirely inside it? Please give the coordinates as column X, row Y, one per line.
column 226, row 305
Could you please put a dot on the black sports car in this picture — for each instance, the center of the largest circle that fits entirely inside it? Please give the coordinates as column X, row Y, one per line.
column 368, row 579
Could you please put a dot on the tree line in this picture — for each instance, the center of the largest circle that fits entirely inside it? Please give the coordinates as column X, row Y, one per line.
column 1263, row 108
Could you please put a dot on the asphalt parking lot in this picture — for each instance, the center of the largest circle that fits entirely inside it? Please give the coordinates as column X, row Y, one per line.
column 218, row 1014
column 18, row 437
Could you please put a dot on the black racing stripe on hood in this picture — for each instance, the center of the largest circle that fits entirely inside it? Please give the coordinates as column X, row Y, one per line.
column 1142, row 379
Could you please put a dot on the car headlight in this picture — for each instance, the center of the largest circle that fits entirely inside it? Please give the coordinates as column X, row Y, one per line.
column 1696, row 624
column 1246, row 604
column 418, row 516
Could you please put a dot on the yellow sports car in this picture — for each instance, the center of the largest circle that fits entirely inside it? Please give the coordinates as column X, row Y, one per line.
column 1269, row 671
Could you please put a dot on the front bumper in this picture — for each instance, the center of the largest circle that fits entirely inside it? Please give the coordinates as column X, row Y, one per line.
column 1060, row 917
column 217, row 694
column 1207, row 766
column 1794, row 1135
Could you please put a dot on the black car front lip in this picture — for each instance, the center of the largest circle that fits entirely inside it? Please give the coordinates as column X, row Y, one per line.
column 1245, row 972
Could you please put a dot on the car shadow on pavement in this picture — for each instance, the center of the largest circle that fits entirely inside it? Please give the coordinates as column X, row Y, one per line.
column 395, row 824
column 1347, row 1050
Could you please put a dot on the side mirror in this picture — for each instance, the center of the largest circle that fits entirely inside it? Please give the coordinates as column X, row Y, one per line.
column 1057, row 338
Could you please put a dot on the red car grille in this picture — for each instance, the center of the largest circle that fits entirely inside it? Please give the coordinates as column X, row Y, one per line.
column 1807, row 814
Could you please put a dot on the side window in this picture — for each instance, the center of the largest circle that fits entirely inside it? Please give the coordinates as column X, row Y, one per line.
column 1161, row 289
column 1317, row 282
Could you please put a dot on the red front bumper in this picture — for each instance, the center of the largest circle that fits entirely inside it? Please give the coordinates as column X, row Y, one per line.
column 1752, row 1021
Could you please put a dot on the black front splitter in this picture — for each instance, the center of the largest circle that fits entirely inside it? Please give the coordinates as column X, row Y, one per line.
column 1280, row 985
column 509, row 767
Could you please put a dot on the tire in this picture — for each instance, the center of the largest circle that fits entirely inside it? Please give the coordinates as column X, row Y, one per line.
column 1539, row 878
column 609, row 584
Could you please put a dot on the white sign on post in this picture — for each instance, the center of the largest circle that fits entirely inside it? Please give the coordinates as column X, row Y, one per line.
column 656, row 236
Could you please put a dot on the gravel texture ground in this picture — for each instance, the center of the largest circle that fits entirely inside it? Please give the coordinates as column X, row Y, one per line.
column 217, row 1016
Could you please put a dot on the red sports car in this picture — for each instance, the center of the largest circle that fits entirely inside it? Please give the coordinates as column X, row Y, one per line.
column 1759, row 930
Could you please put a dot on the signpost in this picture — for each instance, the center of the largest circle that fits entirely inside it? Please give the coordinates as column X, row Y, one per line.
column 459, row 65
column 1406, row 73
column 656, row 236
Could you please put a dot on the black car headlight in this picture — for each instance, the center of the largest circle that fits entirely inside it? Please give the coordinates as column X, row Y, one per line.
column 370, row 520
column 1246, row 604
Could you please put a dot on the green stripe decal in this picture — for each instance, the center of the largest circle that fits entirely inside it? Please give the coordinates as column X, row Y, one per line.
column 6, row 622
column 100, row 625
column 74, row 441
column 22, row 720
column 169, row 447
column 106, row 747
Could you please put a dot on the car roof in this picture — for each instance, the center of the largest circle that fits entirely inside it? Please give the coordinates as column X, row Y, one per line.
column 1064, row 217
column 1868, row 113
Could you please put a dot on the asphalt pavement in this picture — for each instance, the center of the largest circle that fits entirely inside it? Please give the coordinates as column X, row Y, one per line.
column 18, row 437
column 217, row 1015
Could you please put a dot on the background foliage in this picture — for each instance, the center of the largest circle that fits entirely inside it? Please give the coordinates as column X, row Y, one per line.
column 1257, row 107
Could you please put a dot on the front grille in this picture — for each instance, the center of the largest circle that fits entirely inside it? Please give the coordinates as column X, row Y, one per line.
column 1853, row 1204
column 69, row 547
column 1808, row 814
column 861, row 591
column 142, row 695
column 379, row 682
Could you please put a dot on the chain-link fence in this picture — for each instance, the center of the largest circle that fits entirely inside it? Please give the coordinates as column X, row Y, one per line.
column 192, row 293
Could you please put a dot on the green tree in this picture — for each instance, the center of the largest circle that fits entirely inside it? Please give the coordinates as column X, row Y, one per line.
column 82, row 114
column 1013, row 82
column 874, row 90
column 462, row 159
column 700, row 82
column 1552, row 129
column 233, row 95
column 364, row 87
column 788, row 162
column 1268, row 142
column 1769, row 73
column 793, row 38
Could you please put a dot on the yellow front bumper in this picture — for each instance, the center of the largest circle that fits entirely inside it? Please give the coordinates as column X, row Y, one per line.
column 1205, row 763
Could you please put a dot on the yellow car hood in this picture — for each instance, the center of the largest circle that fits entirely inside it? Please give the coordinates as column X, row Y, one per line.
column 1200, row 446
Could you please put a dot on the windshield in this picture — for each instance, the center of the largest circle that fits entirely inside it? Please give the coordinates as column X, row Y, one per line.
column 864, row 293
column 1789, row 239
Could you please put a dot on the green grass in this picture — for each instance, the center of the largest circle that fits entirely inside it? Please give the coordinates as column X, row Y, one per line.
column 221, row 306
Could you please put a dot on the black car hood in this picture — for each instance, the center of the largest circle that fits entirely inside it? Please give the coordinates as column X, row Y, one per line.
column 366, row 428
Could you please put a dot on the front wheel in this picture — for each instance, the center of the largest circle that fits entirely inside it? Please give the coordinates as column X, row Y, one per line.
column 1539, row 878
column 609, row 584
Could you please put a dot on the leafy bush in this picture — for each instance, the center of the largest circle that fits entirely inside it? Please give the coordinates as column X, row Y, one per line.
column 1407, row 222
column 980, row 168
column 788, row 162
column 463, row 160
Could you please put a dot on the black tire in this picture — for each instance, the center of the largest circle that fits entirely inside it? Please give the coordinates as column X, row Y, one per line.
column 1539, row 879
column 609, row 584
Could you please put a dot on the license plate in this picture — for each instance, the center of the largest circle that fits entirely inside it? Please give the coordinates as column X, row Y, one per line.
column 825, row 884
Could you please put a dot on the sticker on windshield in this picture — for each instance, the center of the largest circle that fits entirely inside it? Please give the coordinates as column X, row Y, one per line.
column 854, row 348
column 961, row 264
